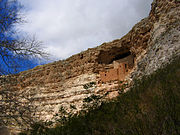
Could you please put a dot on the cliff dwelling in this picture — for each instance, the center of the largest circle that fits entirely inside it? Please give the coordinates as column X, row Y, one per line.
column 117, row 68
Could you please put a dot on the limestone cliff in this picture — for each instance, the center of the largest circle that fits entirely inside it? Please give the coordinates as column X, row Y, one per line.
column 153, row 42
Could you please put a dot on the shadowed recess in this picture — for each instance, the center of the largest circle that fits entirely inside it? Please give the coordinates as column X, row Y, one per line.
column 107, row 57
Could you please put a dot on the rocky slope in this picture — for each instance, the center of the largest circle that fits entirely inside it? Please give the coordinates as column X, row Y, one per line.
column 154, row 41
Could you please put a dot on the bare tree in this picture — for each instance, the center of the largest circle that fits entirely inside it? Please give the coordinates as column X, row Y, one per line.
column 15, row 49
column 15, row 54
column 16, row 106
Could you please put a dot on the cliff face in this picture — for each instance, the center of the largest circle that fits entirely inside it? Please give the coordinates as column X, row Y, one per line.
column 164, row 42
column 153, row 42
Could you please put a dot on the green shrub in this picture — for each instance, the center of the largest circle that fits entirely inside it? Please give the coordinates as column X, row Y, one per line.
column 89, row 85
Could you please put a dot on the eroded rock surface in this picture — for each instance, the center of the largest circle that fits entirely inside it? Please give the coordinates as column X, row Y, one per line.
column 153, row 42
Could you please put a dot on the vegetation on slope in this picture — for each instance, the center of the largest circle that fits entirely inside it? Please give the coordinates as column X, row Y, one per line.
column 151, row 107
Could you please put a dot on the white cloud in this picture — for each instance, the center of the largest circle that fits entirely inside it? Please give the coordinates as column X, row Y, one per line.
column 70, row 26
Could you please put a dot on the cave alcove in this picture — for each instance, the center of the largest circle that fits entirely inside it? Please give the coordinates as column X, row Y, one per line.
column 115, row 53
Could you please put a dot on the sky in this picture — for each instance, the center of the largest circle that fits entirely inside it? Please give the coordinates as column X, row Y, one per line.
column 67, row 27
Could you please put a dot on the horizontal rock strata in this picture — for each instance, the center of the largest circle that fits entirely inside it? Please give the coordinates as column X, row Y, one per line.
column 153, row 42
